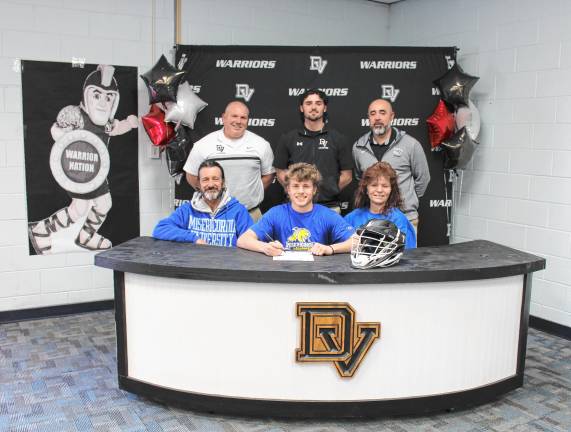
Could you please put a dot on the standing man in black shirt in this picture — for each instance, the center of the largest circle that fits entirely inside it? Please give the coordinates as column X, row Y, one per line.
column 317, row 144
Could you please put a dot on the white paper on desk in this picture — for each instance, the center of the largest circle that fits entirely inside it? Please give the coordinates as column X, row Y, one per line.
column 294, row 256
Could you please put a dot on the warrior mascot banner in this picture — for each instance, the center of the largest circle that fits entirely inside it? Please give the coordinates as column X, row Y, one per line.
column 80, row 140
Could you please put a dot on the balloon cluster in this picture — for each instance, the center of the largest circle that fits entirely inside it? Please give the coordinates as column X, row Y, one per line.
column 173, row 106
column 455, row 123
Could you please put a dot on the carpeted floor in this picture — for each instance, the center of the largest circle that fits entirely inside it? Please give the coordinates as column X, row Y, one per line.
column 59, row 374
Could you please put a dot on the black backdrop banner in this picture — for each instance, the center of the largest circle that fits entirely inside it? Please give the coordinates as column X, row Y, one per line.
column 270, row 79
column 47, row 89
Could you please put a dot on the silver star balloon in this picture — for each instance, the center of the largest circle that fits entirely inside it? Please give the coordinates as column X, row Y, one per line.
column 186, row 108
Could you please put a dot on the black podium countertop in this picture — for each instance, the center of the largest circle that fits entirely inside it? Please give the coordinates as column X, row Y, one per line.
column 477, row 259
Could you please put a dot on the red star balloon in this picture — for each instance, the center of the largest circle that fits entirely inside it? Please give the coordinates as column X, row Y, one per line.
column 159, row 132
column 440, row 124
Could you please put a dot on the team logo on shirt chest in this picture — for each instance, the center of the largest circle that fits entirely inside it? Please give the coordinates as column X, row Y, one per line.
column 220, row 148
column 300, row 239
column 323, row 144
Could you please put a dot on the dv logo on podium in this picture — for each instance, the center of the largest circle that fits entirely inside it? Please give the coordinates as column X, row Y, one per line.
column 330, row 333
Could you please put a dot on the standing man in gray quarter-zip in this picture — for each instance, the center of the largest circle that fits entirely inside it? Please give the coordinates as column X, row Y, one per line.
column 403, row 152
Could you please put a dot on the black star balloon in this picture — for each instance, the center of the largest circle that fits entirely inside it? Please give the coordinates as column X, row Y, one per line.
column 455, row 86
column 458, row 150
column 162, row 81
column 177, row 151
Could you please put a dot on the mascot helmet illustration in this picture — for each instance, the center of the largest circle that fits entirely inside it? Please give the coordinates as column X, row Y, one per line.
column 101, row 95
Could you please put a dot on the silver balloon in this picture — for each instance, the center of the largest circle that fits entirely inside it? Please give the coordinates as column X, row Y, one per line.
column 458, row 150
column 468, row 117
column 186, row 108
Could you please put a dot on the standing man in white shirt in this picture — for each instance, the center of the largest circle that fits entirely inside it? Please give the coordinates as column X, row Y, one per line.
column 247, row 158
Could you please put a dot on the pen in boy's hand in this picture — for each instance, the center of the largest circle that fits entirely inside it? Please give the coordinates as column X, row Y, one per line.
column 272, row 240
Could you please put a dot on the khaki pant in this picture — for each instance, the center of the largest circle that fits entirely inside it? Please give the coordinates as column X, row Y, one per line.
column 414, row 223
column 255, row 214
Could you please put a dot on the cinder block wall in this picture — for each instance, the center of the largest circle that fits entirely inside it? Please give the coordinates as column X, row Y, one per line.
column 120, row 32
column 518, row 189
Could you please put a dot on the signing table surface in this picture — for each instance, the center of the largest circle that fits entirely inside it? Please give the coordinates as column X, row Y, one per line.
column 232, row 331
column 477, row 259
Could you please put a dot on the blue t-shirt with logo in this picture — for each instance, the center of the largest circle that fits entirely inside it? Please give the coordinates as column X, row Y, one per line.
column 299, row 231
column 361, row 216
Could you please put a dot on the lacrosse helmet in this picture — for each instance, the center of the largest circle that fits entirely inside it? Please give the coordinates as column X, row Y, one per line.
column 378, row 243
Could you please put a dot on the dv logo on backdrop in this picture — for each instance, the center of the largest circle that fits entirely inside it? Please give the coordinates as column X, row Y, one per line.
column 331, row 333
column 389, row 92
column 317, row 63
column 244, row 91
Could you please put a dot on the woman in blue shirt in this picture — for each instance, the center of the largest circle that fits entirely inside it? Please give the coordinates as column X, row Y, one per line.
column 378, row 197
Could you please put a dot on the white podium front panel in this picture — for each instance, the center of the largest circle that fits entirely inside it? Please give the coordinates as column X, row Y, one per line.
column 238, row 339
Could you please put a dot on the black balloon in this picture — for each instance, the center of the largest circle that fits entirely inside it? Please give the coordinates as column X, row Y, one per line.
column 455, row 86
column 177, row 150
column 458, row 150
column 162, row 81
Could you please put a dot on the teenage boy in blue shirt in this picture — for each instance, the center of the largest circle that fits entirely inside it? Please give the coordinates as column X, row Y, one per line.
column 299, row 225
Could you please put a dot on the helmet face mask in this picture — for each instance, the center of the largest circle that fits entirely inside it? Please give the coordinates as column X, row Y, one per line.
column 378, row 243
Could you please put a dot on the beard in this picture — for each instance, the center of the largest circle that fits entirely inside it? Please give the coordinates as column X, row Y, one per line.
column 313, row 116
column 379, row 130
column 212, row 194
